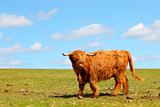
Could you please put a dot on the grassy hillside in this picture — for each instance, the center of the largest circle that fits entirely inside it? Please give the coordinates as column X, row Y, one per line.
column 54, row 88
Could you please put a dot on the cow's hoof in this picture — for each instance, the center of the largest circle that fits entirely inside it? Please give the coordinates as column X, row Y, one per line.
column 124, row 94
column 80, row 97
column 93, row 96
column 114, row 94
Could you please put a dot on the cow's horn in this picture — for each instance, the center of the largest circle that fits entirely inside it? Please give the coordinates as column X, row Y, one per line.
column 91, row 54
column 66, row 54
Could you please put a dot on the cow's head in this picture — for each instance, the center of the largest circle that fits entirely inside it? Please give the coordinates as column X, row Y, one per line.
column 79, row 58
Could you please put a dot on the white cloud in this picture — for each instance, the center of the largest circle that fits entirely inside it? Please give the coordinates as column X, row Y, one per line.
column 146, row 33
column 95, row 44
column 5, row 62
column 156, row 57
column 57, row 36
column 4, row 37
column 44, row 16
column 92, row 45
column 137, row 30
column 152, row 57
column 15, row 62
column 36, row 47
column 17, row 48
column 89, row 30
column 9, row 50
column 93, row 29
column 0, row 34
column 10, row 20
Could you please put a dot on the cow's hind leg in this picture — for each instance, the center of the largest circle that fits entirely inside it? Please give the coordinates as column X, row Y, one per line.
column 94, row 87
column 125, row 85
column 118, row 84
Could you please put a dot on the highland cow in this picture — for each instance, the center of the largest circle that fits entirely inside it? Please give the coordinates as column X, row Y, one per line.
column 102, row 65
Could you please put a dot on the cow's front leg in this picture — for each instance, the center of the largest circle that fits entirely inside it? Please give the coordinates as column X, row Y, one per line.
column 80, row 92
column 94, row 87
column 81, row 87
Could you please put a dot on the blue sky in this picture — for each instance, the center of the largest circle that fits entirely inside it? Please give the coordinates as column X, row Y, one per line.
column 34, row 33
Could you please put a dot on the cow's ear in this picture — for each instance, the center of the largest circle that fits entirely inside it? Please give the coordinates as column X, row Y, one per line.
column 91, row 54
column 86, row 66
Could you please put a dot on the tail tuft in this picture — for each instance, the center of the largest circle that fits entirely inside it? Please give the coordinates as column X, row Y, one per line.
column 137, row 77
column 132, row 69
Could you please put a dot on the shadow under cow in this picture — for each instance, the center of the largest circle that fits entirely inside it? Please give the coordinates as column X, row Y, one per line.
column 75, row 95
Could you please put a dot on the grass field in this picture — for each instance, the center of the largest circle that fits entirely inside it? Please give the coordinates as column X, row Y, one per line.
column 54, row 88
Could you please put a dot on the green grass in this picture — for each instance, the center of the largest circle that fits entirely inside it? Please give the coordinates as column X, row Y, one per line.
column 54, row 88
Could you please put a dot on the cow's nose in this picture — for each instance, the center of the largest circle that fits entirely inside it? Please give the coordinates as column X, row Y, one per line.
column 81, row 65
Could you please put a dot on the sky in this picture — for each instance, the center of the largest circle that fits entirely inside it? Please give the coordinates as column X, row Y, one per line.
column 35, row 33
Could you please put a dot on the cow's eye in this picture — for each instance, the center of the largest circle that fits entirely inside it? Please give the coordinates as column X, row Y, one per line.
column 73, row 59
column 76, row 59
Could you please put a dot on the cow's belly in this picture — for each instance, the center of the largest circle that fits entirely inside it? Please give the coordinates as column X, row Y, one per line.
column 106, row 73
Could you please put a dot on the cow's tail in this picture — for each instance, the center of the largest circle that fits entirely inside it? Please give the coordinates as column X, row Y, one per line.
column 132, row 69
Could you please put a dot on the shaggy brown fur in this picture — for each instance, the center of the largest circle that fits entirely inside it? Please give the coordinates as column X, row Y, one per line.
column 101, row 65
